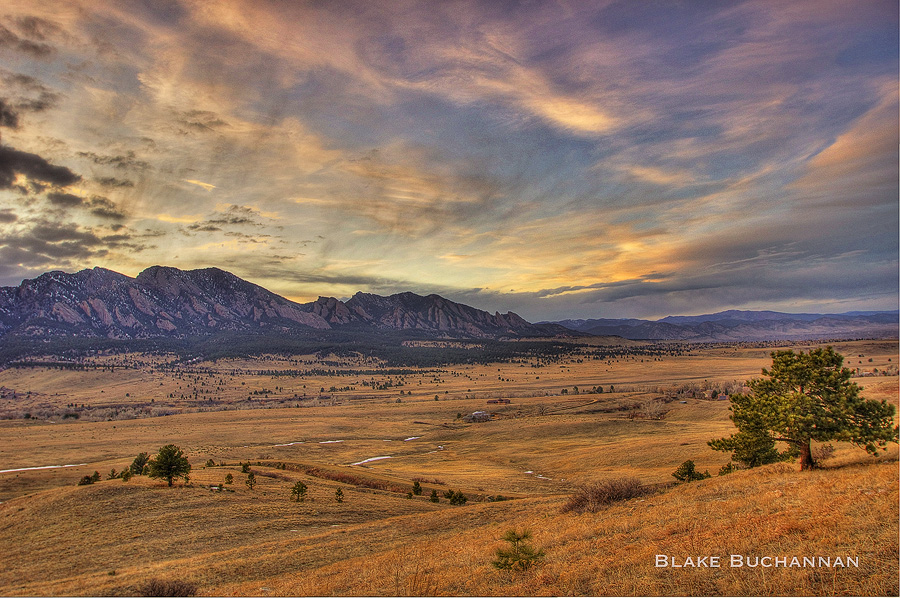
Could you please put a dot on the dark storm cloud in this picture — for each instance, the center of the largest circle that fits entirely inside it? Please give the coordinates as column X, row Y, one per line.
column 13, row 162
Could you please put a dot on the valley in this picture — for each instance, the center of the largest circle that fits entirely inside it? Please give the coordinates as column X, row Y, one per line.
column 595, row 412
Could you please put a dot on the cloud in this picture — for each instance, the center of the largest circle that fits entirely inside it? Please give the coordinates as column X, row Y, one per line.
column 8, row 117
column 10, row 40
column 127, row 161
column 14, row 162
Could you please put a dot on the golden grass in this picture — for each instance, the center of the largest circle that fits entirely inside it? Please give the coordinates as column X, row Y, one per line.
column 111, row 537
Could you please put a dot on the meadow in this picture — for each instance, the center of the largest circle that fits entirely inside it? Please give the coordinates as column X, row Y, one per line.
column 374, row 431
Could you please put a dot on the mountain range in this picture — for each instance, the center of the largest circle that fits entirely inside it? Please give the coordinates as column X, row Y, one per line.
column 169, row 303
column 735, row 325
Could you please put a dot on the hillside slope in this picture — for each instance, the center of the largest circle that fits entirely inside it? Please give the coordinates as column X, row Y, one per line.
column 379, row 544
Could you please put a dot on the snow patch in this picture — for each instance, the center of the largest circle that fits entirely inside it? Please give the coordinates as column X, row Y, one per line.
column 372, row 459
column 42, row 467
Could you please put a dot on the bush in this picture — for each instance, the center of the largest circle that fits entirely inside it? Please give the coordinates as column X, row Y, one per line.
column 434, row 496
column 520, row 555
column 417, row 488
column 168, row 587
column 455, row 497
column 229, row 479
column 591, row 498
column 687, row 473
column 86, row 480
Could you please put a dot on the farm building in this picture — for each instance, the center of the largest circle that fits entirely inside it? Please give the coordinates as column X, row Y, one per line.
column 478, row 416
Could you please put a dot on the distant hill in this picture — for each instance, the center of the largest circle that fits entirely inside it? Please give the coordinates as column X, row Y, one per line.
column 734, row 325
column 164, row 302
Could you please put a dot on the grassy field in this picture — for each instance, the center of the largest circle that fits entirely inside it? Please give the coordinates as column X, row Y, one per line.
column 372, row 442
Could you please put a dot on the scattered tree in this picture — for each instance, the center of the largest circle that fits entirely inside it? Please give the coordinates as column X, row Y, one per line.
column 169, row 463
column 229, row 479
column 686, row 472
column 298, row 492
column 434, row 496
column 251, row 480
column 339, row 495
column 417, row 488
column 140, row 463
column 455, row 497
column 520, row 555
column 804, row 397
column 113, row 474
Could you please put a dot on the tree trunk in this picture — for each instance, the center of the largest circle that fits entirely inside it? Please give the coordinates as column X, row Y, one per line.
column 806, row 460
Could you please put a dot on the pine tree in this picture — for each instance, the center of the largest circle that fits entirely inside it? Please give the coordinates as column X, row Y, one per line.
column 417, row 488
column 251, row 480
column 804, row 397
column 339, row 495
column 169, row 463
column 520, row 555
column 298, row 492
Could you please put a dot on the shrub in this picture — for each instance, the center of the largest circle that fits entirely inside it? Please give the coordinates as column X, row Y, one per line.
column 417, row 488
column 434, row 496
column 229, row 479
column 86, row 480
column 455, row 497
column 126, row 475
column 210, row 463
column 168, row 587
column 728, row 468
column 520, row 555
column 245, row 467
column 591, row 498
column 95, row 477
column 113, row 474
column 687, row 473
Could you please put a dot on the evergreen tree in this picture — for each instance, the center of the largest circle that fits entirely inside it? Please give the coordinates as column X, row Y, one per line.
column 417, row 488
column 520, row 555
column 298, row 492
column 339, row 495
column 251, row 480
column 686, row 472
column 434, row 496
column 139, row 463
column 804, row 397
column 169, row 463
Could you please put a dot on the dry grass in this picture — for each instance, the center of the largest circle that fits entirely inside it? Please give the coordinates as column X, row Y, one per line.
column 378, row 542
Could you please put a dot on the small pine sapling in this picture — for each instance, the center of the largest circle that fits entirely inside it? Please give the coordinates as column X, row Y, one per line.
column 520, row 555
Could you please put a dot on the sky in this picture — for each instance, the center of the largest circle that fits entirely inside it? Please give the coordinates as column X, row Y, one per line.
column 560, row 159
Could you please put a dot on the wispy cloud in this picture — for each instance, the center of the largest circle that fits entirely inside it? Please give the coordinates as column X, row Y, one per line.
column 572, row 158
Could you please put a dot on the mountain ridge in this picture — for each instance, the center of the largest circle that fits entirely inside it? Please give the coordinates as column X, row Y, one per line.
column 163, row 301
column 743, row 325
